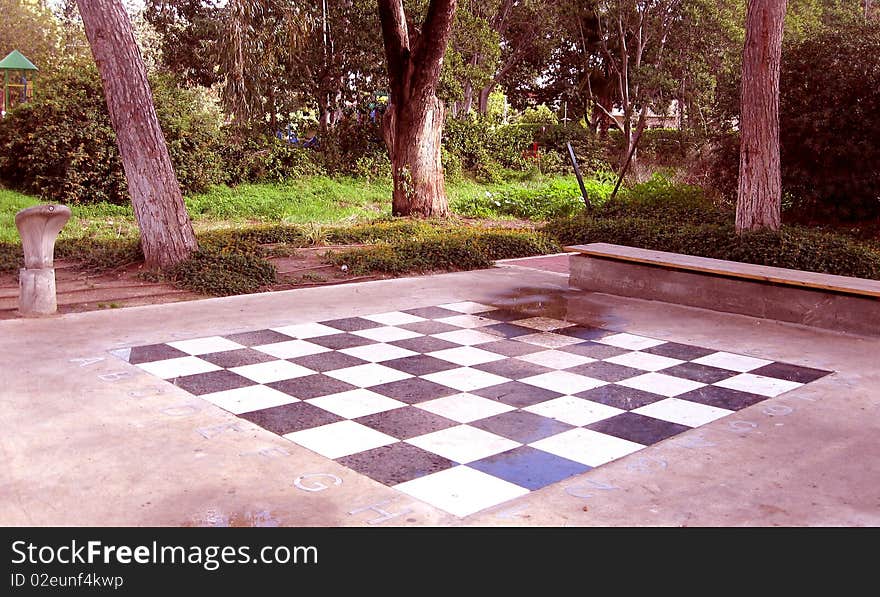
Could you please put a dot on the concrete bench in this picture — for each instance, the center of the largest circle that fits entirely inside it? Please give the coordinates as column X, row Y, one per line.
column 820, row 300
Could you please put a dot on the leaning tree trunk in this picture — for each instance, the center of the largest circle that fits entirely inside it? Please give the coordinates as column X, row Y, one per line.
column 413, row 133
column 167, row 235
column 759, row 196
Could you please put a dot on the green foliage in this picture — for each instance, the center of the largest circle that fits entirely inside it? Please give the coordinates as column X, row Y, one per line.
column 665, row 216
column 482, row 143
column 191, row 125
column 557, row 198
column 30, row 28
column 659, row 197
column 286, row 162
column 95, row 254
column 392, row 230
column 354, row 148
column 222, row 273
column 452, row 165
column 444, row 250
column 539, row 114
column 62, row 147
column 793, row 247
column 11, row 258
column 829, row 125
column 100, row 254
column 471, row 56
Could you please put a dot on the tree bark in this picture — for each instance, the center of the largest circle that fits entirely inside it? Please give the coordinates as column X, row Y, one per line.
column 167, row 235
column 759, row 196
column 413, row 122
column 485, row 92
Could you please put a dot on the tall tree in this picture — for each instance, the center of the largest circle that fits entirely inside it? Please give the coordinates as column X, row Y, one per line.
column 502, row 34
column 759, row 197
column 167, row 235
column 413, row 121
column 633, row 38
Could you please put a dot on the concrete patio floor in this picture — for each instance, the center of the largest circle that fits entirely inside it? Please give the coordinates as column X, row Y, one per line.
column 91, row 440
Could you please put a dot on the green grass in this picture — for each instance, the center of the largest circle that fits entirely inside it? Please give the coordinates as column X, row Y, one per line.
column 313, row 199
column 11, row 203
column 317, row 200
column 539, row 199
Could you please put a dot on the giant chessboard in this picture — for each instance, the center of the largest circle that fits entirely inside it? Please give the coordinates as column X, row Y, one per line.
column 465, row 405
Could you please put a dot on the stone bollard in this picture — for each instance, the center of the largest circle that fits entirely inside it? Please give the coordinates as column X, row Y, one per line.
column 38, row 227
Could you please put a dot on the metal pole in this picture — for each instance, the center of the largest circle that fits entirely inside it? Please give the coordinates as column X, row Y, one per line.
column 577, row 173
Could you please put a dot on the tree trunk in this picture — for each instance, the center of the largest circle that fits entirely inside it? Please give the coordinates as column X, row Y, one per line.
column 413, row 122
column 467, row 98
column 759, row 197
column 413, row 135
column 485, row 92
column 167, row 235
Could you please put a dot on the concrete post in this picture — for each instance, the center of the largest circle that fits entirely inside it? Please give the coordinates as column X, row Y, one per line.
column 38, row 227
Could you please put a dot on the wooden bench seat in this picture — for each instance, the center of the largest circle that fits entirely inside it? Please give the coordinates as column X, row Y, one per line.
column 823, row 300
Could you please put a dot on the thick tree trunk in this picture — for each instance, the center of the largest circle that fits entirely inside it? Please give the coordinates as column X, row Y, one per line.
column 759, row 195
column 413, row 135
column 167, row 235
column 413, row 122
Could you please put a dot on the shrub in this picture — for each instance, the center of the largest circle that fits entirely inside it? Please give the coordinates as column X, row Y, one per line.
column 352, row 147
column 285, row 162
column 452, row 165
column 660, row 197
column 539, row 114
column 485, row 145
column 829, row 125
column 62, row 147
column 191, row 125
column 591, row 152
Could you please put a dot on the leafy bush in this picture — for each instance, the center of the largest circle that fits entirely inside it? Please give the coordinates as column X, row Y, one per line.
column 539, row 114
column 452, row 165
column 589, row 150
column 829, row 125
column 191, row 125
column 483, row 144
column 62, row 147
column 661, row 198
column 353, row 148
column 285, row 162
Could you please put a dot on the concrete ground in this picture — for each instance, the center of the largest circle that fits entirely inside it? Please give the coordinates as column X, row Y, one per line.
column 88, row 439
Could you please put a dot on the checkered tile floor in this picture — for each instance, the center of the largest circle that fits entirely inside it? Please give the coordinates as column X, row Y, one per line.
column 463, row 405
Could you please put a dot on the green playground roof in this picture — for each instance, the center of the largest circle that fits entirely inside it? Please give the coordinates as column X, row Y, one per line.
column 15, row 60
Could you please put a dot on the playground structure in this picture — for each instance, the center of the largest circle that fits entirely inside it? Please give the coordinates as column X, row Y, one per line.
column 18, row 85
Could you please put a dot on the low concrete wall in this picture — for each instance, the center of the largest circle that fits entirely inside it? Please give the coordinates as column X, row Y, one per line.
column 830, row 310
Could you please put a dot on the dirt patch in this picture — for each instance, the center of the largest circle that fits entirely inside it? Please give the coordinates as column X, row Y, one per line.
column 80, row 289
